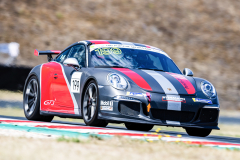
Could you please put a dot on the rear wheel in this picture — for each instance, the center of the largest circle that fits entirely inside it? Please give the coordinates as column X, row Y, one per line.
column 31, row 101
column 139, row 127
column 199, row 132
column 90, row 106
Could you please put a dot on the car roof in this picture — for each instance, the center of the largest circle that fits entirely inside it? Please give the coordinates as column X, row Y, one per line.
column 116, row 42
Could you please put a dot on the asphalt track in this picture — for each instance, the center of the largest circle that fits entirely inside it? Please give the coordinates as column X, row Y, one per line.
column 18, row 104
column 211, row 138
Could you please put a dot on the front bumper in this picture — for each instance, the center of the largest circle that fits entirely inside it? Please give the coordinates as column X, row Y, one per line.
column 134, row 110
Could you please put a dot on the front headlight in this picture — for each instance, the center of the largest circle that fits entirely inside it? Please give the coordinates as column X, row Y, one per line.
column 117, row 81
column 208, row 89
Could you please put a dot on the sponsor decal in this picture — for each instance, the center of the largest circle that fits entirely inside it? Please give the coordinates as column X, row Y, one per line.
column 106, row 108
column 75, row 82
column 108, row 51
column 202, row 100
column 173, row 99
column 136, row 94
column 102, row 45
column 106, row 103
column 49, row 102
column 169, row 89
column 147, row 95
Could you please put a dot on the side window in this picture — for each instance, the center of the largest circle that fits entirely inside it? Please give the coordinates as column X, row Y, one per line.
column 79, row 53
column 62, row 56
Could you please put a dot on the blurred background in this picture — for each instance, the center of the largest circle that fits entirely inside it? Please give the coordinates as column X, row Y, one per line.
column 202, row 35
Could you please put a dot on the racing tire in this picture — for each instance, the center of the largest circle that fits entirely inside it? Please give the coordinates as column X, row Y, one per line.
column 90, row 106
column 139, row 127
column 31, row 101
column 199, row 132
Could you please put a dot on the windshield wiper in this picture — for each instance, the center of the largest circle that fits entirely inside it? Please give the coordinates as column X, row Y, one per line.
column 151, row 69
column 109, row 66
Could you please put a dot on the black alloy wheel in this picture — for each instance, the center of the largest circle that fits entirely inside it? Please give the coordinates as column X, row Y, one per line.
column 31, row 101
column 199, row 132
column 90, row 106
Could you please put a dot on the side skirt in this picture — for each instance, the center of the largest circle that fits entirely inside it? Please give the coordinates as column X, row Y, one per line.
column 61, row 115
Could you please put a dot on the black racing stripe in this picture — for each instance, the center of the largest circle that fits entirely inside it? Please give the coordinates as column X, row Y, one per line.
column 150, row 80
column 180, row 89
column 114, row 42
column 137, row 44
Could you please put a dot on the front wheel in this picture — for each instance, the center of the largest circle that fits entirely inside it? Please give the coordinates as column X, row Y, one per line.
column 90, row 106
column 139, row 127
column 199, row 132
column 31, row 101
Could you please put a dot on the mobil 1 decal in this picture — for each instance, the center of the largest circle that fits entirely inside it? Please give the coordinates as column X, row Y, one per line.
column 106, row 105
column 75, row 82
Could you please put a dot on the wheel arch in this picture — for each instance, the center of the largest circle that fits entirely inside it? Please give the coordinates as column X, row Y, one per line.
column 34, row 72
column 27, row 79
column 90, row 78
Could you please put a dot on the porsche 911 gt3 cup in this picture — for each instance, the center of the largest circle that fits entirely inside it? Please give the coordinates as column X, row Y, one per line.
column 105, row 82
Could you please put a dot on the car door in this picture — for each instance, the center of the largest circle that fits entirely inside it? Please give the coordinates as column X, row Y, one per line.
column 66, row 82
column 47, row 83
column 50, row 79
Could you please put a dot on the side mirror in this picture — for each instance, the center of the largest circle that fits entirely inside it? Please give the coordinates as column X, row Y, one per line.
column 187, row 72
column 72, row 62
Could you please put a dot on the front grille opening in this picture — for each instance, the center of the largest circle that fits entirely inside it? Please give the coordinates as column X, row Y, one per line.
column 180, row 116
column 197, row 115
column 129, row 108
column 208, row 115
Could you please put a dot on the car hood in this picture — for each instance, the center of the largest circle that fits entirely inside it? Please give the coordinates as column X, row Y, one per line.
column 158, row 81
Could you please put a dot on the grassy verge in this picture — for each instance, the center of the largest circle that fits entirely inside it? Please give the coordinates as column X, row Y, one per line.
column 225, row 129
column 10, row 95
column 12, row 112
column 11, row 148
column 230, row 113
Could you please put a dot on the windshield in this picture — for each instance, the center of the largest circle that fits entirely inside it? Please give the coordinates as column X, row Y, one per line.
column 132, row 57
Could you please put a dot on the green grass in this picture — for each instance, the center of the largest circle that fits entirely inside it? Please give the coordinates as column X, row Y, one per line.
column 64, row 139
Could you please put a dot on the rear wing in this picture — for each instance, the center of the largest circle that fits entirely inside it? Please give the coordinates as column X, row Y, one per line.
column 49, row 53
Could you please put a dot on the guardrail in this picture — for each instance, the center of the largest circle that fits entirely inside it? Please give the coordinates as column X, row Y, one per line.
column 13, row 77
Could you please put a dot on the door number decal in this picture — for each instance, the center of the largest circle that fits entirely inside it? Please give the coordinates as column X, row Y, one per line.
column 75, row 82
